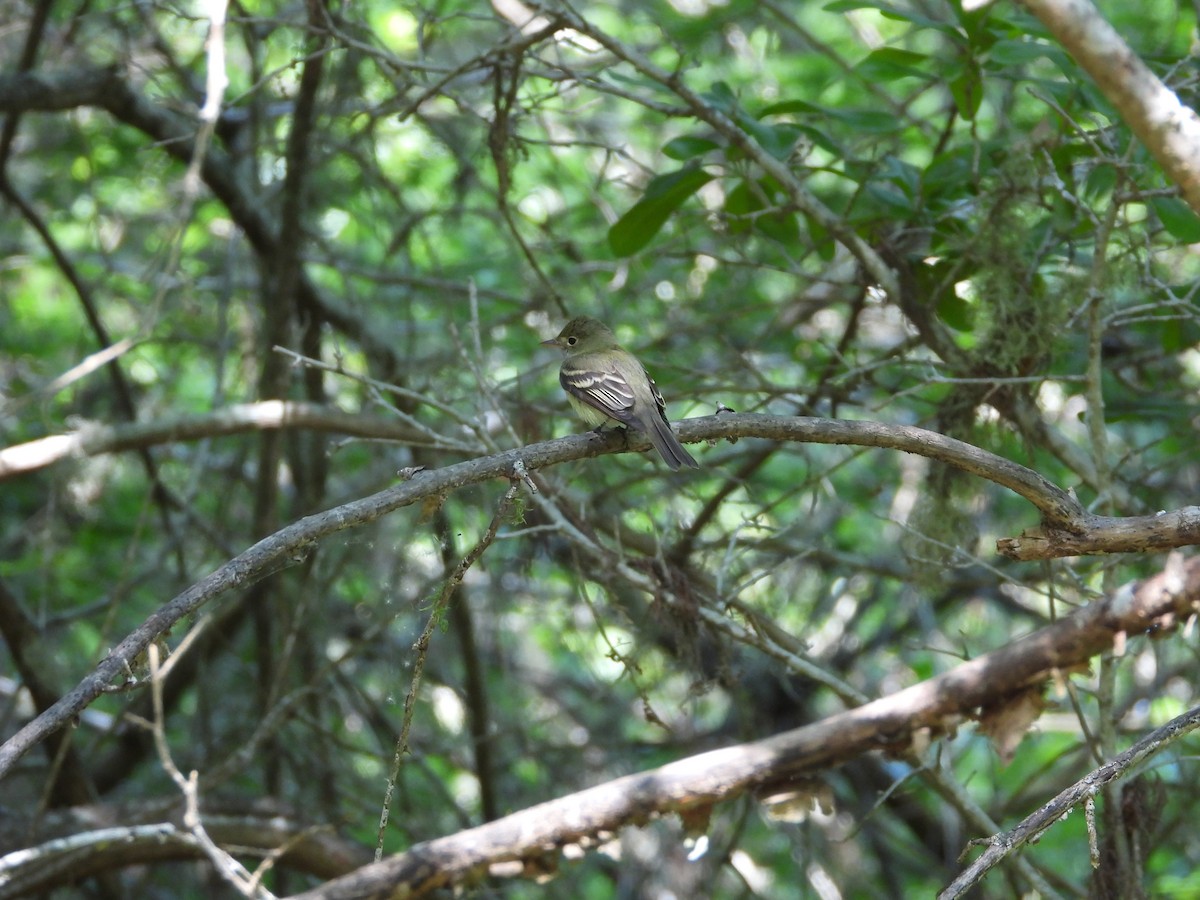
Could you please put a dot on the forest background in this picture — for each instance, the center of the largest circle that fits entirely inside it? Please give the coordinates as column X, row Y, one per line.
column 305, row 562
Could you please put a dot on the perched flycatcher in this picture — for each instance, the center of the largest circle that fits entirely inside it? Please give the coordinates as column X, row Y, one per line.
column 607, row 386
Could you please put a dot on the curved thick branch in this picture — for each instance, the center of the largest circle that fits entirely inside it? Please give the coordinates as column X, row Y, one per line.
column 1067, row 529
column 691, row 786
column 1060, row 511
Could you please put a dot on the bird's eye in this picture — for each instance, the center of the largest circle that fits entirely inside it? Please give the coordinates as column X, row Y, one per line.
column 571, row 341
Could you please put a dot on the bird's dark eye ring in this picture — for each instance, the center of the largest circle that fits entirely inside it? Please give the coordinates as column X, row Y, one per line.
column 571, row 341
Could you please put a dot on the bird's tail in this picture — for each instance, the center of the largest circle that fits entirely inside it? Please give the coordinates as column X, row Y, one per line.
column 667, row 445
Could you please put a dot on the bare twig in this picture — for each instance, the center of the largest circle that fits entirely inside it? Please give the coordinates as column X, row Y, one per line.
column 1084, row 790
column 421, row 647
column 232, row 871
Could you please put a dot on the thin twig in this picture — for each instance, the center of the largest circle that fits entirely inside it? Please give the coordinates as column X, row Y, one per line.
column 1002, row 845
column 421, row 649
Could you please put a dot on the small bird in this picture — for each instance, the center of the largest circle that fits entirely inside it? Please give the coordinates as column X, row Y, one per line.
column 607, row 386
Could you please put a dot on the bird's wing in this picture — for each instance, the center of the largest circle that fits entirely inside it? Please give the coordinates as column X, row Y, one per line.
column 658, row 398
column 601, row 386
column 604, row 384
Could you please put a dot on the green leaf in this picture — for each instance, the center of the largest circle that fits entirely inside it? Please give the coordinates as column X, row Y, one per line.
column 688, row 146
column 956, row 312
column 740, row 203
column 1100, row 181
column 664, row 194
column 892, row 63
column 967, row 91
column 780, row 226
column 819, row 235
column 1172, row 336
column 777, row 140
column 823, row 140
column 788, row 133
column 890, row 198
column 1064, row 157
column 1177, row 217
column 888, row 11
column 933, row 281
column 904, row 174
column 721, row 96
column 873, row 121
column 747, row 199
column 784, row 107
column 1016, row 53
column 976, row 23
column 951, row 171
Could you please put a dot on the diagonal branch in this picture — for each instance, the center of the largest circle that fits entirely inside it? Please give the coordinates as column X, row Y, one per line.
column 1002, row 845
column 1167, row 128
column 691, row 786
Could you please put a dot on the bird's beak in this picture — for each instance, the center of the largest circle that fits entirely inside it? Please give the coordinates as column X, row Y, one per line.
column 553, row 342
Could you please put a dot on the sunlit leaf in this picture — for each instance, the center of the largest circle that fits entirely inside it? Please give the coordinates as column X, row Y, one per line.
column 890, row 11
column 664, row 194
column 1178, row 218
